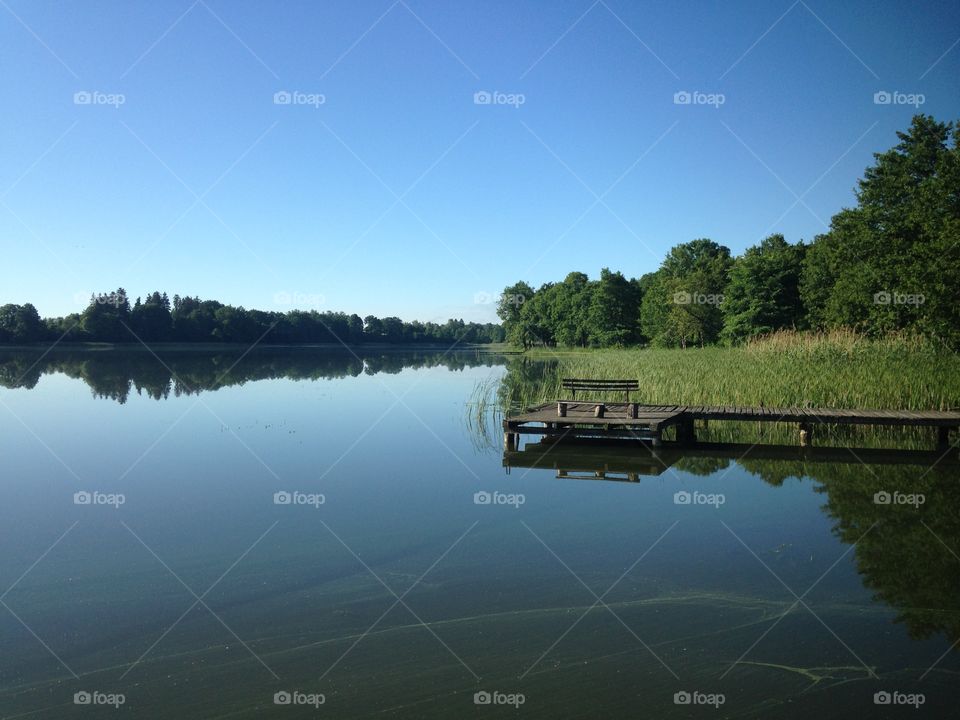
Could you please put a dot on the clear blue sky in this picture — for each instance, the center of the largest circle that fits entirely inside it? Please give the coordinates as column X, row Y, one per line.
column 200, row 184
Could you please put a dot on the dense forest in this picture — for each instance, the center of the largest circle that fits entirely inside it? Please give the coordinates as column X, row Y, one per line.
column 110, row 317
column 891, row 263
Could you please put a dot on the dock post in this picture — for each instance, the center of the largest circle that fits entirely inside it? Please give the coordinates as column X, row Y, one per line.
column 634, row 410
column 943, row 437
column 598, row 411
column 509, row 441
column 561, row 409
column 806, row 435
column 657, row 440
column 686, row 433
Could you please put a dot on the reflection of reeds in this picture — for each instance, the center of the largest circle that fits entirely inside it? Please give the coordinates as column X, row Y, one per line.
column 484, row 415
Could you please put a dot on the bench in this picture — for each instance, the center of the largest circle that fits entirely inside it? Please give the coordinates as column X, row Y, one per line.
column 575, row 385
column 624, row 386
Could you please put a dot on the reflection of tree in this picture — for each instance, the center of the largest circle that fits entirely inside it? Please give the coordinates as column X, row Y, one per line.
column 701, row 466
column 910, row 557
column 112, row 374
column 19, row 370
column 775, row 472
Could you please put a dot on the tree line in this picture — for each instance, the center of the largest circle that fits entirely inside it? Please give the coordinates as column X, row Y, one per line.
column 110, row 317
column 890, row 263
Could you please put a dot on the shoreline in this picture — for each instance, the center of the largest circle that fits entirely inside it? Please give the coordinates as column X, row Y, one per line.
column 209, row 347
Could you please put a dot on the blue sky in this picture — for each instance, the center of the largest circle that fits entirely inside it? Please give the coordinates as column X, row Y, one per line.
column 398, row 194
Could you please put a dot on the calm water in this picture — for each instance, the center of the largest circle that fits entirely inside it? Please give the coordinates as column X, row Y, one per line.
column 185, row 589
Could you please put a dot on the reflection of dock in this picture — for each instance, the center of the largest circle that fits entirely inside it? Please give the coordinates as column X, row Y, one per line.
column 626, row 420
column 603, row 461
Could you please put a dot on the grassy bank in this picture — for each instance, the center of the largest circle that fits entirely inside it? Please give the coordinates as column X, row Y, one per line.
column 840, row 369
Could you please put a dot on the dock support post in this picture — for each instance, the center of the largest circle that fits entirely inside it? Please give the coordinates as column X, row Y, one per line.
column 634, row 410
column 943, row 437
column 657, row 440
column 686, row 433
column 598, row 411
column 509, row 441
column 561, row 409
column 806, row 435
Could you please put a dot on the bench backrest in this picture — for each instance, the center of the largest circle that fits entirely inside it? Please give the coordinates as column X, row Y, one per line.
column 584, row 385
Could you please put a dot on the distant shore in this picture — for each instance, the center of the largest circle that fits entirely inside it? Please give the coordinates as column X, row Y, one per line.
column 209, row 347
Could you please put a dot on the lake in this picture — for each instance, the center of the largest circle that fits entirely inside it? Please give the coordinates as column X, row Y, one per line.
column 308, row 533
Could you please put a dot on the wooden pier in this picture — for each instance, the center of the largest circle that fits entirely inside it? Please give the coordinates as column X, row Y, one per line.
column 630, row 420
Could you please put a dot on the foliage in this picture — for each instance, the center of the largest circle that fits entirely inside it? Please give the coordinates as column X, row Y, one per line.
column 110, row 318
column 891, row 263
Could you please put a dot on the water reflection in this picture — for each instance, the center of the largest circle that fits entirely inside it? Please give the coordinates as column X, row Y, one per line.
column 898, row 509
column 114, row 374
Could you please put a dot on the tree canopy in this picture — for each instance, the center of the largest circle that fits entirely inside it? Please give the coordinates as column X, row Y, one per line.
column 890, row 263
column 109, row 317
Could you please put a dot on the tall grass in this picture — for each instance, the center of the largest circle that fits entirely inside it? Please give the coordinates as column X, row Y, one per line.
column 786, row 369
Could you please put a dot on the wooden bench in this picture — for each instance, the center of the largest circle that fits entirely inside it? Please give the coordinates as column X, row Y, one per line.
column 624, row 386
column 575, row 385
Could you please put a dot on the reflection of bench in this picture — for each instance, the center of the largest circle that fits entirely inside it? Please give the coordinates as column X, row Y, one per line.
column 575, row 385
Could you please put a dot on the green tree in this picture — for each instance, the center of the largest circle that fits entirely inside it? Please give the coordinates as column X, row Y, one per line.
column 764, row 290
column 107, row 317
column 20, row 324
column 682, row 303
column 613, row 310
column 151, row 320
column 509, row 305
column 893, row 261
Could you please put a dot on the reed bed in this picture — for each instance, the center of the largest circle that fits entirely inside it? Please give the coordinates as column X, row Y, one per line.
column 786, row 369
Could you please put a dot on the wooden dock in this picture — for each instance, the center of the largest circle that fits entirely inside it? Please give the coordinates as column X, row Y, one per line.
column 630, row 420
